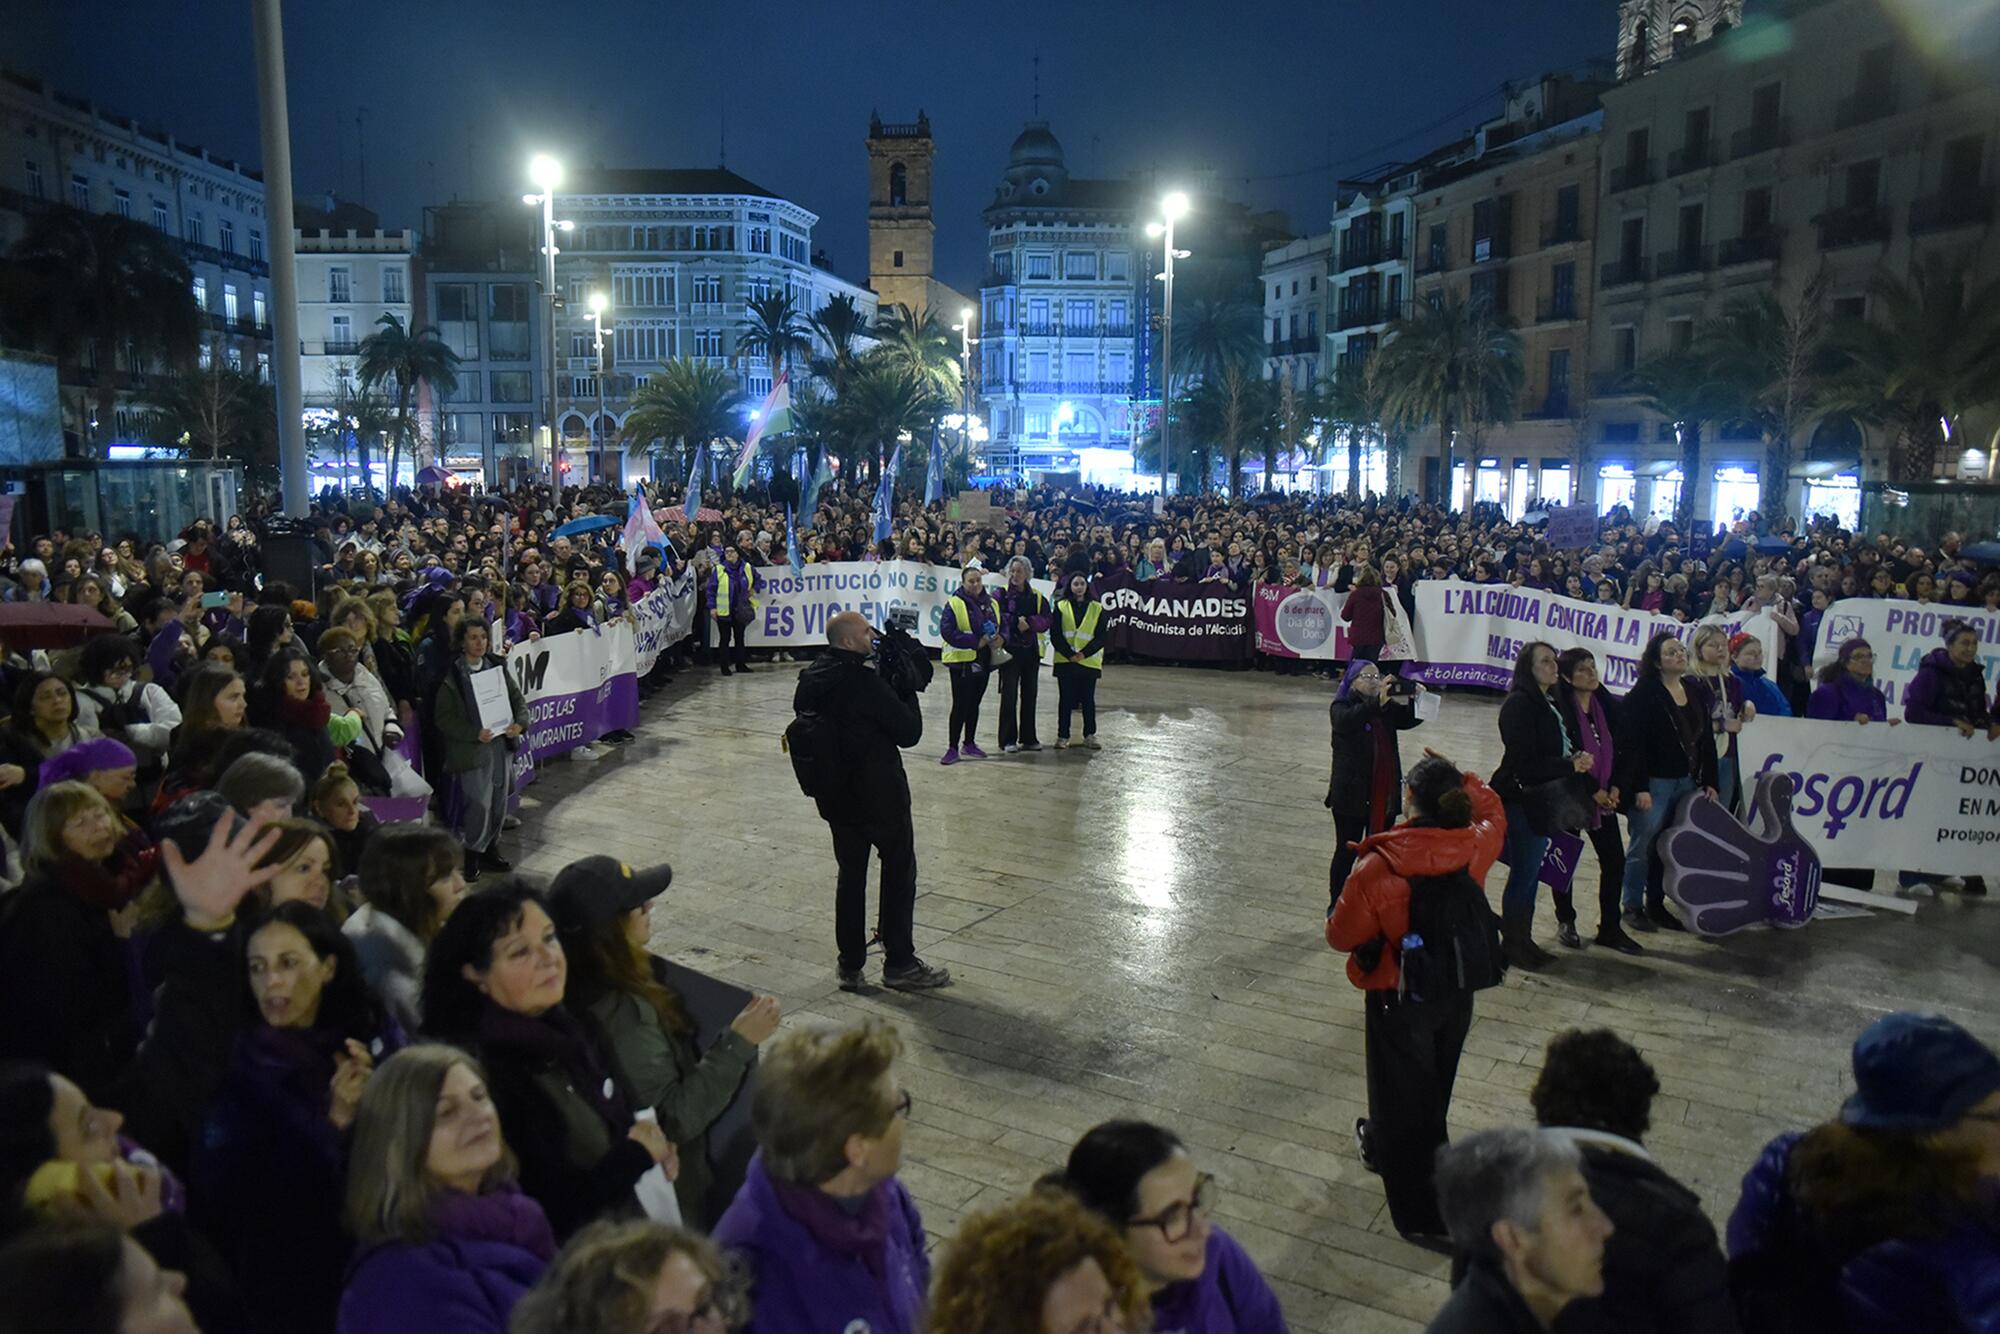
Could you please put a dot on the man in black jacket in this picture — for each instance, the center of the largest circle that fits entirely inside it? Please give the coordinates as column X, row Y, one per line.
column 870, row 725
column 1663, row 1269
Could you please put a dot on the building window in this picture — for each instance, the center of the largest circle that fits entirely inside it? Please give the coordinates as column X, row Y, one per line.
column 1625, row 344
column 897, row 260
column 229, row 302
column 204, row 355
column 1041, row 266
column 1118, row 266
column 259, row 315
column 256, row 244
column 513, row 428
column 121, row 203
column 160, row 216
column 339, row 286
column 1038, row 316
column 1080, row 316
column 1562, row 292
column 340, row 341
column 226, row 235
column 79, row 191
column 1080, row 265
column 581, row 344
column 263, row 368
column 232, row 356
column 511, row 387
column 1120, row 318
column 1392, row 299
column 708, row 342
column 34, row 178
column 899, row 185
column 194, row 230
column 458, row 318
column 707, row 289
column 393, row 293
column 1555, row 402
column 507, row 321
column 201, row 294
column 1003, row 264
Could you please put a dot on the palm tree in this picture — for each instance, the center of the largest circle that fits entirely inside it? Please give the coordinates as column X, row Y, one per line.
column 410, row 358
column 842, row 327
column 1772, row 363
column 775, row 328
column 1687, row 389
column 1455, row 365
column 360, row 413
column 208, row 410
column 685, row 402
column 1218, row 334
column 884, row 402
column 100, row 284
column 1298, row 411
column 1931, row 357
column 917, row 343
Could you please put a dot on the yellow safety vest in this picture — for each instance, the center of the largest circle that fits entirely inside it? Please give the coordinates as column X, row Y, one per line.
column 1076, row 637
column 722, row 587
column 963, row 615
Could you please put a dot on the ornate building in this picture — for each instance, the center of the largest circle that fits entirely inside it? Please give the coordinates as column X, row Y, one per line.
column 1652, row 32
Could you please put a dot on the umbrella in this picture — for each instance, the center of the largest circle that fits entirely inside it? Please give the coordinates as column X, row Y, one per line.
column 589, row 523
column 433, row 476
column 707, row 515
column 1989, row 551
column 47, row 625
column 1771, row 544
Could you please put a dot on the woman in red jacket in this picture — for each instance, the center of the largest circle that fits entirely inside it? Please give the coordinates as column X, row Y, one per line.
column 1366, row 614
column 1456, row 823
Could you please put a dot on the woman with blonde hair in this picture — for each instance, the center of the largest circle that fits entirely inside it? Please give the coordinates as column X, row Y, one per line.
column 1043, row 1264
column 1708, row 662
column 448, row 1243
column 635, row 1278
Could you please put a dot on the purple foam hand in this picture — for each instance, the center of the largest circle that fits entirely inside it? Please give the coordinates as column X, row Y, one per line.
column 1726, row 877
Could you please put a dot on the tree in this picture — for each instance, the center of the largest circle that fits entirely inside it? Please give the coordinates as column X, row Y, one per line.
column 1455, row 365
column 1685, row 388
column 1771, row 360
column 1931, row 356
column 360, row 413
column 686, row 402
column 208, row 410
column 1215, row 335
column 841, row 327
column 917, row 343
column 100, row 284
column 409, row 358
column 1298, row 411
column 774, row 328
column 1354, row 406
column 884, row 402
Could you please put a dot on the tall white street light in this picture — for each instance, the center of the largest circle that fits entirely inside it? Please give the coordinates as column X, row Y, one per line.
column 598, row 304
column 1173, row 207
column 546, row 173
column 964, row 331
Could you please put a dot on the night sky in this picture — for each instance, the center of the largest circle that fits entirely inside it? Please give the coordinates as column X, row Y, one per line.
column 1272, row 98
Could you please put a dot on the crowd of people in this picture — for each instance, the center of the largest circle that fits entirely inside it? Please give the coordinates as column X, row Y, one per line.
column 273, row 1064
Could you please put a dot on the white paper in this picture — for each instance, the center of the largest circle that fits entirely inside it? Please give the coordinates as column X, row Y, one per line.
column 655, row 1192
column 1427, row 704
column 489, row 699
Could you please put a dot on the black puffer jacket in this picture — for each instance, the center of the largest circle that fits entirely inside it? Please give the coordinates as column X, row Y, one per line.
column 1663, row 1267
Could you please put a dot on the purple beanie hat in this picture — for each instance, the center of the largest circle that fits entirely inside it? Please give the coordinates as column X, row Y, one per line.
column 86, row 758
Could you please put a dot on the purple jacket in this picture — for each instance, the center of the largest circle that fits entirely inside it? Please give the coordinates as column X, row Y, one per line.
column 804, row 1286
column 488, row 1251
column 1024, row 603
column 978, row 610
column 1230, row 1297
column 1840, row 700
column 1950, row 1282
column 1944, row 692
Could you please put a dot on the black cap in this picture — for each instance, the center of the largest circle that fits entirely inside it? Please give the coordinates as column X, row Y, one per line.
column 588, row 893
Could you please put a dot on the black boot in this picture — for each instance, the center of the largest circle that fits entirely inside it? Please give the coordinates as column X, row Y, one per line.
column 472, row 867
column 1517, row 943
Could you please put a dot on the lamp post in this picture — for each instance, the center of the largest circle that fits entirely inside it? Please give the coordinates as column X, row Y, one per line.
column 598, row 303
column 546, row 173
column 1173, row 207
column 964, row 331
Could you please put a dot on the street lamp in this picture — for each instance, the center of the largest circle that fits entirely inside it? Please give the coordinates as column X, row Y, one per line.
column 599, row 303
column 546, row 173
column 1173, row 207
column 964, row 331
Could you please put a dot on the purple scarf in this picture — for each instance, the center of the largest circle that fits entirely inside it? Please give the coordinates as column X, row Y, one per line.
column 1594, row 735
column 864, row 1235
column 502, row 1214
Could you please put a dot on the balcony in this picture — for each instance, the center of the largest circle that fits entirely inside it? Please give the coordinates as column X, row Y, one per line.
column 1631, row 175
column 1561, row 231
column 1683, row 260
column 227, row 259
column 1077, row 387
column 1692, row 157
column 1957, row 208
column 1760, row 248
column 1361, row 254
column 1555, row 310
column 995, row 278
column 1614, row 384
column 335, row 348
column 1357, row 317
column 1852, row 226
column 1760, row 138
column 1869, row 105
column 1434, row 262
column 1305, row 344
column 1279, row 347
column 1622, row 272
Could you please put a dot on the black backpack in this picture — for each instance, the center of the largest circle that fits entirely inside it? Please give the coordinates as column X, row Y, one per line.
column 811, row 742
column 1453, row 946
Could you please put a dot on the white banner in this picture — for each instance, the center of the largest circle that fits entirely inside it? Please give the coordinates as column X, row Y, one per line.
column 1901, row 633
column 793, row 609
column 1894, row 798
column 1470, row 634
column 665, row 617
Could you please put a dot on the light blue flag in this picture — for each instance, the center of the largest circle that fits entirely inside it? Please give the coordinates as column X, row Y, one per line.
column 792, row 556
column 934, row 484
column 694, row 481
column 809, row 505
column 885, row 496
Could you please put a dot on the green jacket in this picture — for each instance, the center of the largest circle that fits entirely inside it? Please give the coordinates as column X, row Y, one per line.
column 458, row 721
column 688, row 1090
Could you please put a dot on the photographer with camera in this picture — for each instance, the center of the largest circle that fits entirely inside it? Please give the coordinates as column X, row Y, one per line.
column 971, row 630
column 1365, row 789
column 853, row 720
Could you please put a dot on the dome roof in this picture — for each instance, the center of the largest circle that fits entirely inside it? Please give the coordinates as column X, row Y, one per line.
column 1036, row 147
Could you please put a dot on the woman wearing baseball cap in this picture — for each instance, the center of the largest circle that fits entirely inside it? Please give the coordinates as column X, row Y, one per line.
column 1883, row 1218
column 601, row 909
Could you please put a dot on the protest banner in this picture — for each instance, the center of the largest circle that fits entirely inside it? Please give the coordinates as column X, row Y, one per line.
column 1891, row 798
column 1177, row 622
column 1901, row 632
column 577, row 686
column 1305, row 623
column 1470, row 634
column 665, row 616
column 793, row 609
column 1571, row 527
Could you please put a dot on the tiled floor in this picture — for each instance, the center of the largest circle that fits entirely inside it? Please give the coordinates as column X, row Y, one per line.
column 1137, row 932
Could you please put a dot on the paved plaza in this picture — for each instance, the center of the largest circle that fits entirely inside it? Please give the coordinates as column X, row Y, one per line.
column 1136, row 932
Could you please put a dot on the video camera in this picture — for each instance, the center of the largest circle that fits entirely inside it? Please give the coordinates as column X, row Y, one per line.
column 899, row 655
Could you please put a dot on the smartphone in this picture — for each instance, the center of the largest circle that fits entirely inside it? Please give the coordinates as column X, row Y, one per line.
column 212, row 600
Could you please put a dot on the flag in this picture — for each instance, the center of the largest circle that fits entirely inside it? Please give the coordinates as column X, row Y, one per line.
column 885, row 496
column 774, row 418
column 934, row 484
column 694, row 481
column 641, row 531
column 809, row 505
column 792, row 542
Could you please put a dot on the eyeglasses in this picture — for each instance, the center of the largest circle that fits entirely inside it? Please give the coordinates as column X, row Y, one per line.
column 903, row 1104
column 1176, row 1221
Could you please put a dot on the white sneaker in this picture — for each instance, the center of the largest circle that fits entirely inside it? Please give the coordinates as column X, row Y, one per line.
column 1062, row 743
column 1011, row 748
column 1092, row 743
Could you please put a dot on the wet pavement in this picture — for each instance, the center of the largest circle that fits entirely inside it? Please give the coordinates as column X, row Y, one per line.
column 1137, row 932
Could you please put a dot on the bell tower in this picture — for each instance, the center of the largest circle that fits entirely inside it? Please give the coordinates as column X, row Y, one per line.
column 1652, row 32
column 901, row 233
